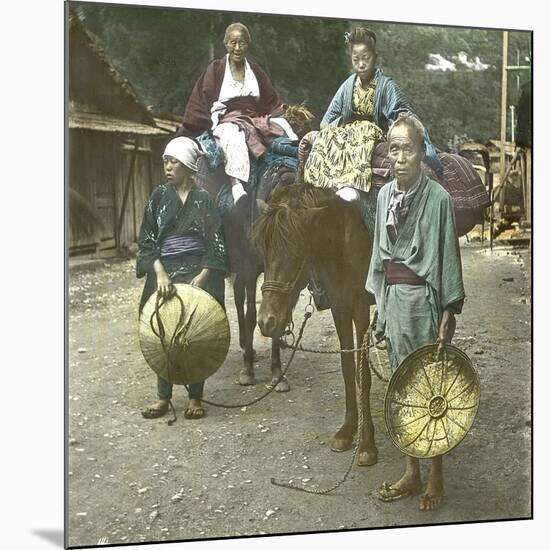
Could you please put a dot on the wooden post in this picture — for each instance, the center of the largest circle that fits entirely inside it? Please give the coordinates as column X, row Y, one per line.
column 503, row 109
column 125, row 198
column 134, row 206
column 150, row 172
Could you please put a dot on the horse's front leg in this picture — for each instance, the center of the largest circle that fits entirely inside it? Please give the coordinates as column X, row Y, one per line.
column 343, row 438
column 368, row 453
column 276, row 370
column 239, row 294
column 246, row 377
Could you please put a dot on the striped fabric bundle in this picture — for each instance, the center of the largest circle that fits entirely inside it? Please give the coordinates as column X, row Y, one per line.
column 463, row 183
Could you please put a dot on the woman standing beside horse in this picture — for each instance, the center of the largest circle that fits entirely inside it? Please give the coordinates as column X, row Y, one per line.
column 180, row 241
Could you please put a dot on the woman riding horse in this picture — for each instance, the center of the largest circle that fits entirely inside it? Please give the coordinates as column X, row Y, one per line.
column 358, row 117
column 236, row 102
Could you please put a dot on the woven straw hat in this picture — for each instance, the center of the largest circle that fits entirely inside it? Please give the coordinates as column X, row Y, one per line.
column 431, row 403
column 185, row 339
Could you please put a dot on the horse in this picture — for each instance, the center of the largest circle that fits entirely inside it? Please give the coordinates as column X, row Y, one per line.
column 244, row 260
column 307, row 230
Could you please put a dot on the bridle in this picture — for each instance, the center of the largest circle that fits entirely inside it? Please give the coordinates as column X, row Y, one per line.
column 283, row 288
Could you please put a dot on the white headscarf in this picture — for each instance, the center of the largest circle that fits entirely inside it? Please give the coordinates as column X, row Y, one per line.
column 185, row 150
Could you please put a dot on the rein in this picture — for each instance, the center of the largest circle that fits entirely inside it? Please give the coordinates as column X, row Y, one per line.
column 371, row 344
column 178, row 335
column 359, row 380
column 367, row 343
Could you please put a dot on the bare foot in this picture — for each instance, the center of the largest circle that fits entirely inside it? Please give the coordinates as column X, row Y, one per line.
column 156, row 409
column 194, row 410
column 432, row 497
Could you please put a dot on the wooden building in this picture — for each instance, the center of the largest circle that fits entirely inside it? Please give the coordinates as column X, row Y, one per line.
column 111, row 145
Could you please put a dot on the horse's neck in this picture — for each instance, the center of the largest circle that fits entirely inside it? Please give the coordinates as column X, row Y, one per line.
column 340, row 241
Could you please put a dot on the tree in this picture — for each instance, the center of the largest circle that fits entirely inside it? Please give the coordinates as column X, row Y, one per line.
column 163, row 50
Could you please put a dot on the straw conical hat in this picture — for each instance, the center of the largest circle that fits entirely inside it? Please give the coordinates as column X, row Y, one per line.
column 431, row 403
column 196, row 335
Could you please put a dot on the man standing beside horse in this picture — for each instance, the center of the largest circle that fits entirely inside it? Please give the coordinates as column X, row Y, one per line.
column 415, row 275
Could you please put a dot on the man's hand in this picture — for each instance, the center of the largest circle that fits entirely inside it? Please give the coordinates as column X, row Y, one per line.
column 447, row 328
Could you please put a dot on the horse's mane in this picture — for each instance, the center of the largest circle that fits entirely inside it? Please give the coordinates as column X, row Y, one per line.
column 300, row 118
column 282, row 228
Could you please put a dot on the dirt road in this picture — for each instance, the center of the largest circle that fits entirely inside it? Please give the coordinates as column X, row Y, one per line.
column 134, row 480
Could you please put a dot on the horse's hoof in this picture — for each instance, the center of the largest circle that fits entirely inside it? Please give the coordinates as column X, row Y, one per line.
column 339, row 444
column 367, row 458
column 246, row 379
column 282, row 386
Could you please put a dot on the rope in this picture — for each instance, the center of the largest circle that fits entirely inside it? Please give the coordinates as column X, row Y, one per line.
column 359, row 380
column 307, row 315
column 371, row 344
column 161, row 334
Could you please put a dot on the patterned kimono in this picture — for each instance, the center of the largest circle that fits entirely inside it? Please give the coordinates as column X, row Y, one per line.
column 389, row 102
column 426, row 243
column 186, row 239
column 342, row 155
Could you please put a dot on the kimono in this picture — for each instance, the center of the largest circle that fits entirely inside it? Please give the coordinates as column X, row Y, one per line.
column 427, row 244
column 236, row 130
column 389, row 101
column 186, row 239
column 197, row 116
column 166, row 217
column 342, row 155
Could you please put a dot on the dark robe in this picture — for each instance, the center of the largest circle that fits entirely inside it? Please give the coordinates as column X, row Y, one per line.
column 206, row 91
column 165, row 216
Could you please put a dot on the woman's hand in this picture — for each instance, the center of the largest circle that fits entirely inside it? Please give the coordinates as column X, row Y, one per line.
column 201, row 279
column 447, row 328
column 164, row 284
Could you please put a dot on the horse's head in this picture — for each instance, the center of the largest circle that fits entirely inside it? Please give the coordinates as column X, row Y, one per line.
column 283, row 235
column 300, row 118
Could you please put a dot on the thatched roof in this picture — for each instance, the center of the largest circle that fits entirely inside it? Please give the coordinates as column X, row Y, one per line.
column 80, row 40
column 104, row 123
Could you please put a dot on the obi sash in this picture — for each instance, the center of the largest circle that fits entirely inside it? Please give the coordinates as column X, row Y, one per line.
column 182, row 244
column 397, row 274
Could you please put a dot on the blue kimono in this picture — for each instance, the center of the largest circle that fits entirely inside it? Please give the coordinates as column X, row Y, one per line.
column 426, row 243
column 389, row 101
